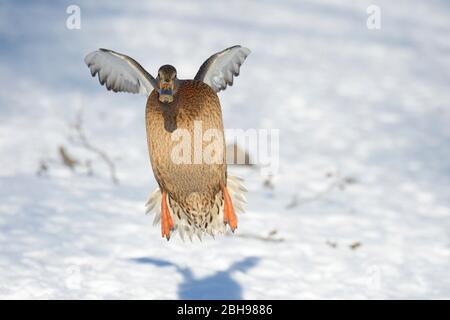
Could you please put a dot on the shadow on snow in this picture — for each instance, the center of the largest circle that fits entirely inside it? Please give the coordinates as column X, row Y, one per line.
column 220, row 285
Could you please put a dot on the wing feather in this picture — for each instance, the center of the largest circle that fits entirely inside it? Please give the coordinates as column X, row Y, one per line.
column 119, row 72
column 218, row 70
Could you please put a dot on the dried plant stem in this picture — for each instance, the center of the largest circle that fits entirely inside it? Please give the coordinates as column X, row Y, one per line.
column 88, row 145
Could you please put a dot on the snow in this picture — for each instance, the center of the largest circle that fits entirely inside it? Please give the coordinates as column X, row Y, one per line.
column 360, row 203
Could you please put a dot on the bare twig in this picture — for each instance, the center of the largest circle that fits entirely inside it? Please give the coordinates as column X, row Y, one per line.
column 268, row 238
column 338, row 182
column 84, row 142
column 332, row 244
column 67, row 159
column 355, row 245
column 43, row 168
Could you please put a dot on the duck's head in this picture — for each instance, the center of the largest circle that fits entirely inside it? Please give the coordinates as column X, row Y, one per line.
column 167, row 83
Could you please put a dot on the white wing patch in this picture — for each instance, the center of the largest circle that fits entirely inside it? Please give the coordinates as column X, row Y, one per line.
column 219, row 69
column 119, row 72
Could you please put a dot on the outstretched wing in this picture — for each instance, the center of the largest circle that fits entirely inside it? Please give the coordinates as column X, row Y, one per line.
column 219, row 69
column 119, row 72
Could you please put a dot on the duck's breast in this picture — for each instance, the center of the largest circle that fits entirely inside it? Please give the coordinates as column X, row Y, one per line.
column 186, row 141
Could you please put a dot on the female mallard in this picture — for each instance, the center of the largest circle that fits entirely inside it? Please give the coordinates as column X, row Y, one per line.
column 185, row 139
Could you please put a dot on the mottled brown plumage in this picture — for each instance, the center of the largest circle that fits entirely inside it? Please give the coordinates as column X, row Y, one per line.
column 195, row 195
column 192, row 186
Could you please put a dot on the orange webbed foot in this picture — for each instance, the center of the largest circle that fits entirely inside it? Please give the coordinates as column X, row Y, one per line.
column 166, row 219
column 229, row 216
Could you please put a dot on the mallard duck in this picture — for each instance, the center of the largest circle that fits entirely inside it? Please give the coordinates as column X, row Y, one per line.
column 194, row 196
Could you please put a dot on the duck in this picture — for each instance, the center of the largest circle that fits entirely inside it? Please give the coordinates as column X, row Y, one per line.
column 185, row 139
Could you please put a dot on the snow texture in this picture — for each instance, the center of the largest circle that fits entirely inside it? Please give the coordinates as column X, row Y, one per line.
column 358, row 209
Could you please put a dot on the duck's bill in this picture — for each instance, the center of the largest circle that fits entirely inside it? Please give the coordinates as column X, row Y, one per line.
column 166, row 95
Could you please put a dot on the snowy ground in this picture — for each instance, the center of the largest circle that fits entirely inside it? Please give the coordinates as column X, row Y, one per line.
column 360, row 203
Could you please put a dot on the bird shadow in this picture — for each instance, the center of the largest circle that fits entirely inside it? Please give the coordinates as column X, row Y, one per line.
column 219, row 286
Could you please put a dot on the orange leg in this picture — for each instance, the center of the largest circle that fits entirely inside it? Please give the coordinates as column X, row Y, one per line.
column 166, row 219
column 229, row 216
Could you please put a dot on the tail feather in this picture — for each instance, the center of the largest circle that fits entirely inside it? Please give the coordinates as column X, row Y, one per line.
column 236, row 190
